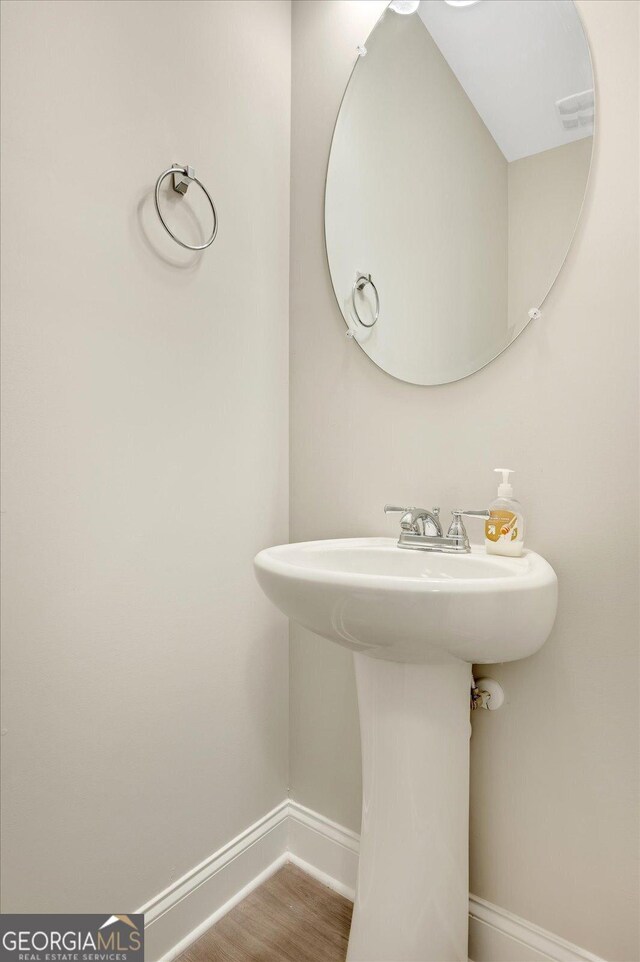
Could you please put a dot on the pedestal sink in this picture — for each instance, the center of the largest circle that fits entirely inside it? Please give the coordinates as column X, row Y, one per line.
column 416, row 621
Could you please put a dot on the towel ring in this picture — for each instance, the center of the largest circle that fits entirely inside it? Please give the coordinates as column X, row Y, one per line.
column 359, row 284
column 182, row 177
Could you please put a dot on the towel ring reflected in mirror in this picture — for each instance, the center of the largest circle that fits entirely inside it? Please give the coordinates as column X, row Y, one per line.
column 359, row 284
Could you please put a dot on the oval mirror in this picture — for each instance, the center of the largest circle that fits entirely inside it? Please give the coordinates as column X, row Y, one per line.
column 457, row 172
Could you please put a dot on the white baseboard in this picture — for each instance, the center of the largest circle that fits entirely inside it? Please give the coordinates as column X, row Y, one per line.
column 324, row 849
column 328, row 852
column 496, row 935
column 187, row 907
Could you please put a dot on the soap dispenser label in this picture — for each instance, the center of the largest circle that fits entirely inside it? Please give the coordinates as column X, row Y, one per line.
column 501, row 524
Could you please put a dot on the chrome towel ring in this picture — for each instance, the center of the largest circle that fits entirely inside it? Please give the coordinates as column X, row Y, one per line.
column 182, row 177
column 359, row 284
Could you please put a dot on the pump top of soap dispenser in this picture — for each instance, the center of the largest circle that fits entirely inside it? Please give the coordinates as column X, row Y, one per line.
column 505, row 489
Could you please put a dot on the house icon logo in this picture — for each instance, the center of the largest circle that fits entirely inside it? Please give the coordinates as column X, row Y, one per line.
column 120, row 918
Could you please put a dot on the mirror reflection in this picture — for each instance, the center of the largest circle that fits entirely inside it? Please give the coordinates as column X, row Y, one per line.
column 457, row 173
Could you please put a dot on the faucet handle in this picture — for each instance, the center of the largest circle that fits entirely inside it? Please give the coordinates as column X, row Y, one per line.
column 457, row 528
column 415, row 520
column 407, row 521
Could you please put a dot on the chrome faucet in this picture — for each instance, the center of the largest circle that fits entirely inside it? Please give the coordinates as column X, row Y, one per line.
column 414, row 522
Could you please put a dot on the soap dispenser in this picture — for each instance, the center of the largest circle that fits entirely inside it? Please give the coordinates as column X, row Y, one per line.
column 504, row 528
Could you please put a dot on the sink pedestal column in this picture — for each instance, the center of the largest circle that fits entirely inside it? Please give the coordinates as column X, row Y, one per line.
column 412, row 898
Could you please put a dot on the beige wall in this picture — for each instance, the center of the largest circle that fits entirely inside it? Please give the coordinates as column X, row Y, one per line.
column 145, row 443
column 554, row 773
column 546, row 192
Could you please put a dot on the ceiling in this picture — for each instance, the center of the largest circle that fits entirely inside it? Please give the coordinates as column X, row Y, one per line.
column 515, row 59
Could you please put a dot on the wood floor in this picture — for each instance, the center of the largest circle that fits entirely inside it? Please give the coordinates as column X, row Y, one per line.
column 290, row 918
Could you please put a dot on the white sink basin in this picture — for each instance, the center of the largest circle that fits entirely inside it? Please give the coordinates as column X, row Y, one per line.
column 415, row 620
column 407, row 605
